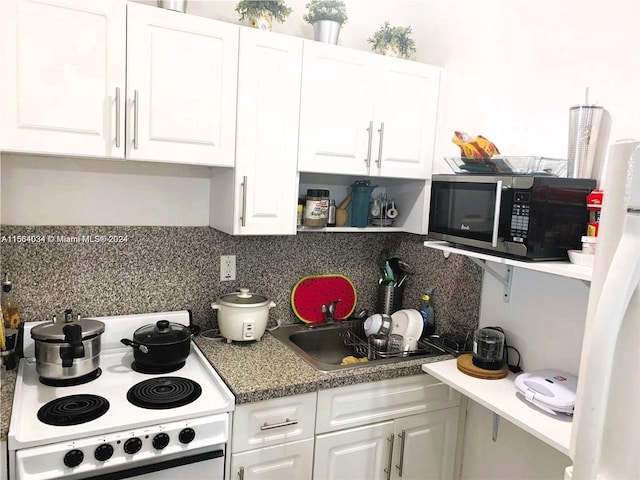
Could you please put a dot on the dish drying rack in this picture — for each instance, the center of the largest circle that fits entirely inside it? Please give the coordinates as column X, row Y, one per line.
column 354, row 337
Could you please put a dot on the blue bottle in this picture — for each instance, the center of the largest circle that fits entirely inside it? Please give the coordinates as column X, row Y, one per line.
column 428, row 316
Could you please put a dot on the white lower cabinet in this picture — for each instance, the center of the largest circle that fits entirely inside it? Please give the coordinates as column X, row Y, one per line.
column 425, row 445
column 291, row 461
column 417, row 447
column 273, row 439
column 400, row 428
column 403, row 428
column 354, row 454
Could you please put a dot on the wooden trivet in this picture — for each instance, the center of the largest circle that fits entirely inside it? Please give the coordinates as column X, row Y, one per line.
column 465, row 365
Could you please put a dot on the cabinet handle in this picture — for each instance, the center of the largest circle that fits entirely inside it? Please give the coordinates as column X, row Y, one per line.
column 244, row 201
column 286, row 423
column 402, row 437
column 370, row 130
column 241, row 473
column 135, row 119
column 117, row 117
column 496, row 214
column 381, row 132
column 390, row 461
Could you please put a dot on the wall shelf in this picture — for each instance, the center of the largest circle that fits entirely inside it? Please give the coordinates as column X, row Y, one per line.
column 561, row 268
column 500, row 396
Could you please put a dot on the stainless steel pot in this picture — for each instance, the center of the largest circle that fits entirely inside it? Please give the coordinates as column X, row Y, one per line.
column 67, row 349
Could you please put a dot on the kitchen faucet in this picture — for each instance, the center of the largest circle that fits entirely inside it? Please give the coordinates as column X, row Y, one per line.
column 329, row 311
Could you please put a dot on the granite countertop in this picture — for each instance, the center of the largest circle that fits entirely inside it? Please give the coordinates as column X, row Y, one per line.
column 262, row 370
column 6, row 401
column 267, row 369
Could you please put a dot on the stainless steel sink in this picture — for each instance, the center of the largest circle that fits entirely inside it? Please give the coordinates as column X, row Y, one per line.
column 325, row 347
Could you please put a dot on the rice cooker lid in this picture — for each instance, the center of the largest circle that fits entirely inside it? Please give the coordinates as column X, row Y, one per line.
column 244, row 298
column 54, row 332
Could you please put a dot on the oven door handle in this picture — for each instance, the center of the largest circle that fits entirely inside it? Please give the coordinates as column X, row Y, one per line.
column 496, row 214
column 132, row 472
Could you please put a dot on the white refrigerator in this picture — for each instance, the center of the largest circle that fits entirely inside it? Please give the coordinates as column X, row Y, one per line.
column 605, row 441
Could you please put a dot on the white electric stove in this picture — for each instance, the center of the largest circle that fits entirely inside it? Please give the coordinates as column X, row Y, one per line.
column 124, row 434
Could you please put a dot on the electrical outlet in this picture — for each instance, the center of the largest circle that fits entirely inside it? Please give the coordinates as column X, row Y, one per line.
column 227, row 268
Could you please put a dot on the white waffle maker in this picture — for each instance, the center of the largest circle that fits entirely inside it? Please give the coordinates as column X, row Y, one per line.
column 551, row 390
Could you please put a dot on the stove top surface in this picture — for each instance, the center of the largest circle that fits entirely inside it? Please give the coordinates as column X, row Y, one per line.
column 117, row 378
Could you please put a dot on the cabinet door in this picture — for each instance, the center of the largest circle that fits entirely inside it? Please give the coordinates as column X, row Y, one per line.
column 267, row 136
column 358, row 453
column 62, row 62
column 336, row 110
column 181, row 87
column 406, row 104
column 291, row 461
column 426, row 445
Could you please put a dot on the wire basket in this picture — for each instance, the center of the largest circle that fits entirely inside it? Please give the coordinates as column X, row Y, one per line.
column 355, row 339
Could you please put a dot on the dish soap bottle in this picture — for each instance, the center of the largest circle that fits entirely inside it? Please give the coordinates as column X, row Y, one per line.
column 426, row 310
column 11, row 323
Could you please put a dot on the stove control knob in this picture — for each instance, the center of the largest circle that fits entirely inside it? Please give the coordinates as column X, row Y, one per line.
column 160, row 441
column 73, row 458
column 103, row 452
column 132, row 445
column 187, row 435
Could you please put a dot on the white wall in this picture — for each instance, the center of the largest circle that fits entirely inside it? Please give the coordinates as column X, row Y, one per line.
column 513, row 69
column 47, row 190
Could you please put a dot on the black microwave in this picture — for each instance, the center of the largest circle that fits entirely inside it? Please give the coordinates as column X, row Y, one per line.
column 534, row 217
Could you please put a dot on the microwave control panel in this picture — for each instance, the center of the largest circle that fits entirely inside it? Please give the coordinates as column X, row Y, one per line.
column 520, row 216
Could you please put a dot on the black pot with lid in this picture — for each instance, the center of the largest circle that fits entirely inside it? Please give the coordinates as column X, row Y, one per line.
column 161, row 344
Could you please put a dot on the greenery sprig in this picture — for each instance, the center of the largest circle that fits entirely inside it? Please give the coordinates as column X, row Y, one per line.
column 334, row 10
column 251, row 8
column 400, row 37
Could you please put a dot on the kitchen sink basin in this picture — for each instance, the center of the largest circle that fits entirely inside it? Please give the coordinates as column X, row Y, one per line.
column 325, row 347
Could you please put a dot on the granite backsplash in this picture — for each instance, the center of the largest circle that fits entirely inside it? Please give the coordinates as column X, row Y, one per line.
column 128, row 270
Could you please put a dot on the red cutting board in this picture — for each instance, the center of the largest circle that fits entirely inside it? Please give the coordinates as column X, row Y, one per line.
column 310, row 293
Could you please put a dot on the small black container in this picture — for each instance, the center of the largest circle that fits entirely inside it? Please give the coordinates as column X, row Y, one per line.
column 488, row 349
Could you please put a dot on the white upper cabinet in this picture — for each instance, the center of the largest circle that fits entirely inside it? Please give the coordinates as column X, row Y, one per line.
column 336, row 110
column 406, row 105
column 366, row 114
column 181, row 87
column 63, row 81
column 61, row 64
column 259, row 197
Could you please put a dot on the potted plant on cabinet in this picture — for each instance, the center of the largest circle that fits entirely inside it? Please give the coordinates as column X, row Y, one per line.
column 326, row 17
column 393, row 41
column 261, row 13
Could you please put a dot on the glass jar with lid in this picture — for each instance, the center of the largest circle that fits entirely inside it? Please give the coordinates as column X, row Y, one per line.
column 316, row 209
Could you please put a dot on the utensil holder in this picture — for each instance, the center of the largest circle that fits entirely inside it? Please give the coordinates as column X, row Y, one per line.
column 389, row 299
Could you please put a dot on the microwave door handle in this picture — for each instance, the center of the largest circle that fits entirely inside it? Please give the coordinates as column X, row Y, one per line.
column 496, row 214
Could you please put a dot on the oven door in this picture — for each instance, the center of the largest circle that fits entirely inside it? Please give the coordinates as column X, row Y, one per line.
column 208, row 465
column 470, row 210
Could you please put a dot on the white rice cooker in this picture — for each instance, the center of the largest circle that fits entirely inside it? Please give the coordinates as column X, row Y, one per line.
column 242, row 316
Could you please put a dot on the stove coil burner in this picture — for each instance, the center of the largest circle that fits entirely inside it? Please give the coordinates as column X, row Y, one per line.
column 164, row 392
column 137, row 367
column 73, row 410
column 71, row 382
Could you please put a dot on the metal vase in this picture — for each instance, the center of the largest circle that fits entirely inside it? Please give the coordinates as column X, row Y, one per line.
column 177, row 5
column 326, row 31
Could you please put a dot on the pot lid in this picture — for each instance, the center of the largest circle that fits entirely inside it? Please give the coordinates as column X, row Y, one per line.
column 53, row 332
column 162, row 332
column 244, row 298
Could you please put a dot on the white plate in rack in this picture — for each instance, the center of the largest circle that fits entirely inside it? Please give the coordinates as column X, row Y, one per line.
column 407, row 322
